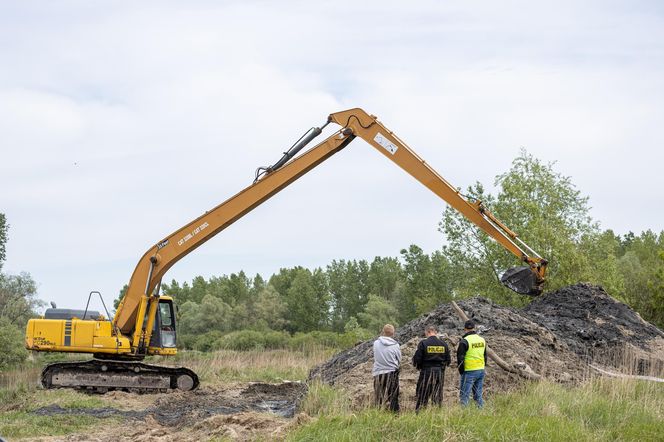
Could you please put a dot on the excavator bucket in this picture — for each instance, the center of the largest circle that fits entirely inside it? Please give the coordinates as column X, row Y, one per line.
column 522, row 280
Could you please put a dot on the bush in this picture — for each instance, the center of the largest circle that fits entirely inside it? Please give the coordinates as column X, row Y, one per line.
column 186, row 341
column 351, row 339
column 315, row 340
column 204, row 342
column 12, row 345
column 276, row 339
column 241, row 340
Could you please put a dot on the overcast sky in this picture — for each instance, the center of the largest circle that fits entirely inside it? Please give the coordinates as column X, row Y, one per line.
column 122, row 121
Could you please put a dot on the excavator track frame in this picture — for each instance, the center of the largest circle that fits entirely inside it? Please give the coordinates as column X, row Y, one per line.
column 101, row 376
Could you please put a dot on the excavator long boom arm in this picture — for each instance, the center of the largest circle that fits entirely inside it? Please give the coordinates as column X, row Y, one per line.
column 141, row 294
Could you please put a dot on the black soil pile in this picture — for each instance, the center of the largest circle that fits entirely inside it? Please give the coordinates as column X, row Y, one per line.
column 584, row 316
column 597, row 327
column 553, row 336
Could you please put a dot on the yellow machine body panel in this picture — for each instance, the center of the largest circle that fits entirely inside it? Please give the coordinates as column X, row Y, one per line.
column 74, row 335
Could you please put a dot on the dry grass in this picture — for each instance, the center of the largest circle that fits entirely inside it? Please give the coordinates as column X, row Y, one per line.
column 258, row 365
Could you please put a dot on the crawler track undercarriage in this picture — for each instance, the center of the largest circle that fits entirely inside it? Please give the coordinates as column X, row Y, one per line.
column 106, row 375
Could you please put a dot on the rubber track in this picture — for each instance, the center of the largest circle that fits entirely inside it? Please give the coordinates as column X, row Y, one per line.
column 119, row 367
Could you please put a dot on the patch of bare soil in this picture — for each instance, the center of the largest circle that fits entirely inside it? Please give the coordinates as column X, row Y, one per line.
column 558, row 336
column 242, row 412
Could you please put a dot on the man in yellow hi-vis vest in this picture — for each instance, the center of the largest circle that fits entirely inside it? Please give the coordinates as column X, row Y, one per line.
column 471, row 357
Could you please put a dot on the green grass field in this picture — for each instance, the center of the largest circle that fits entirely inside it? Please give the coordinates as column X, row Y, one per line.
column 601, row 410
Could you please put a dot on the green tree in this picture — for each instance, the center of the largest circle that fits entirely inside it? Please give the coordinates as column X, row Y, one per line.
column 269, row 310
column 348, row 283
column 212, row 314
column 352, row 325
column 18, row 298
column 282, row 281
column 198, row 289
column 655, row 308
column 384, row 277
column 418, row 281
column 307, row 302
column 12, row 351
column 548, row 212
column 601, row 262
column 174, row 289
column 18, row 303
column 640, row 267
column 121, row 294
column 378, row 312
column 257, row 285
column 429, row 280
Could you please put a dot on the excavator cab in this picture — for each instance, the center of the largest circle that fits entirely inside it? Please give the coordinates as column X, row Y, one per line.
column 163, row 332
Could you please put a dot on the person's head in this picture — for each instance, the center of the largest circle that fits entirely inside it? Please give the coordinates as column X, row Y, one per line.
column 388, row 330
column 469, row 325
column 430, row 330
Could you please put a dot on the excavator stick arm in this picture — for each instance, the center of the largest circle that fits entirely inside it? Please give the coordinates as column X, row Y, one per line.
column 386, row 142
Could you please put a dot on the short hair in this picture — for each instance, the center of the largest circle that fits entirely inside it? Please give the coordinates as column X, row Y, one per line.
column 469, row 325
column 388, row 330
column 431, row 328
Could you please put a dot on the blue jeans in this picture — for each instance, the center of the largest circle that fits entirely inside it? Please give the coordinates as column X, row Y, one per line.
column 472, row 380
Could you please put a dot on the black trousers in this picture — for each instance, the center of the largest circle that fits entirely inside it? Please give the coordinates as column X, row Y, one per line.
column 386, row 390
column 430, row 386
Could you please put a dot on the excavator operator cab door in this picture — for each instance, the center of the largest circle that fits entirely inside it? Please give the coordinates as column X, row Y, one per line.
column 163, row 333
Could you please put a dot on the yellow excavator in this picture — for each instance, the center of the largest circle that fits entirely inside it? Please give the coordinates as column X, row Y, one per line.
column 144, row 322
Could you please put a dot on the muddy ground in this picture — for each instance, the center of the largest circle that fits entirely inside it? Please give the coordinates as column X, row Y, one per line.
column 243, row 411
column 559, row 335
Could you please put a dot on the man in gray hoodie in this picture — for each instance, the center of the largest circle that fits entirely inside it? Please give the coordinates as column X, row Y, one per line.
column 387, row 359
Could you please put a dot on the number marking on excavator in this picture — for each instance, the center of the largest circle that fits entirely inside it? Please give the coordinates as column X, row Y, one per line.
column 193, row 233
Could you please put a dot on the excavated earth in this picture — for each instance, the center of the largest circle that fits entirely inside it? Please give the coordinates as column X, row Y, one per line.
column 239, row 412
column 559, row 335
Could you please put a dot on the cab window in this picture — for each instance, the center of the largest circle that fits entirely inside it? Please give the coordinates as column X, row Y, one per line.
column 165, row 313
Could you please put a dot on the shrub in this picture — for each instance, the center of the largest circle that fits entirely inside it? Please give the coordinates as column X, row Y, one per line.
column 206, row 341
column 12, row 345
column 276, row 339
column 241, row 340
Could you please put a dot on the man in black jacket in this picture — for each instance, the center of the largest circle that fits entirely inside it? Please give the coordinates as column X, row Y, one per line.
column 431, row 358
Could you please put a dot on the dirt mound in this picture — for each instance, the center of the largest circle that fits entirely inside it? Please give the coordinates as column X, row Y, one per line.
column 550, row 336
column 598, row 327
